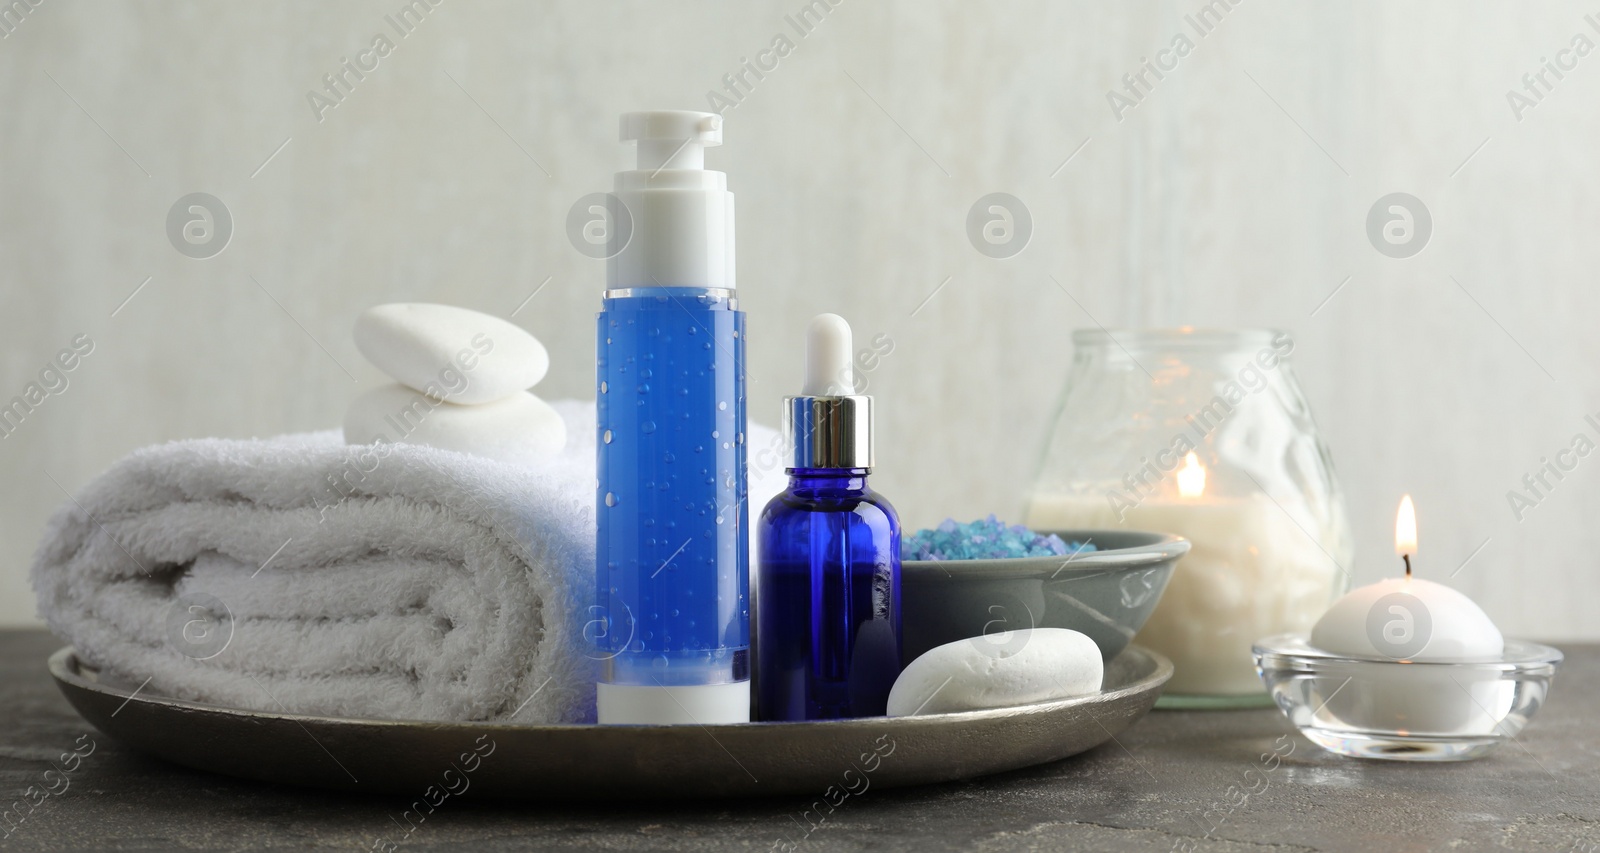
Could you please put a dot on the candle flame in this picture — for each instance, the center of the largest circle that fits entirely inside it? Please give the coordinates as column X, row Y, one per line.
column 1405, row 528
column 1191, row 477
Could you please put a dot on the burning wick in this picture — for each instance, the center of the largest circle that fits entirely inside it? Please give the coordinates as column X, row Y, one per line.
column 1405, row 531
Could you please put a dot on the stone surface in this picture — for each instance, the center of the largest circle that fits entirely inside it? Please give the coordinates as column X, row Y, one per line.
column 452, row 353
column 998, row 670
column 521, row 429
column 1177, row 780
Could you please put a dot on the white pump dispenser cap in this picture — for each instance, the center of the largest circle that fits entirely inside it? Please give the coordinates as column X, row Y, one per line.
column 672, row 139
column 829, row 372
column 681, row 214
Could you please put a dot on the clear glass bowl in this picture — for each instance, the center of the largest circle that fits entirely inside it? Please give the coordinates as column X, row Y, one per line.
column 1406, row 710
column 1266, row 516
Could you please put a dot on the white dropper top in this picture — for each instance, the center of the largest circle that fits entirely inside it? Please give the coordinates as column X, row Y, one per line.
column 829, row 371
column 829, row 424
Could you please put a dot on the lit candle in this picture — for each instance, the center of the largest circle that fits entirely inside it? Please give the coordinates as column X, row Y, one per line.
column 1408, row 618
column 1252, row 571
column 1411, row 620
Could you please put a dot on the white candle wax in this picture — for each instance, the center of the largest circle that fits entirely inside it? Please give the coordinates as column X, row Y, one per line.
column 1251, row 572
column 1417, row 622
column 1408, row 619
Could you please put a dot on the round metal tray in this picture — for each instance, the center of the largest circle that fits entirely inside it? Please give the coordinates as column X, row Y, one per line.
column 611, row 762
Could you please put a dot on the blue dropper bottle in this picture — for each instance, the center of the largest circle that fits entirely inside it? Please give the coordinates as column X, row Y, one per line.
column 828, row 601
column 672, row 571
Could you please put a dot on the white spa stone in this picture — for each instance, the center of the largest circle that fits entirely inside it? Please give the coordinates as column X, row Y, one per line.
column 520, row 429
column 450, row 353
column 998, row 671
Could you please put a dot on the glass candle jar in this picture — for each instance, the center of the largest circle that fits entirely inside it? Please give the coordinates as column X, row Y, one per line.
column 1204, row 434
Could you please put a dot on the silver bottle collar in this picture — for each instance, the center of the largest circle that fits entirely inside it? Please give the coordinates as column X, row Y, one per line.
column 829, row 432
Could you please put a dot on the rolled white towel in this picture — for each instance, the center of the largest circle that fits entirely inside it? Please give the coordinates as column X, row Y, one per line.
column 299, row 573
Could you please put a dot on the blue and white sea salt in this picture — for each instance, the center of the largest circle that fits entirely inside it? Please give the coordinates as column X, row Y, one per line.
column 987, row 539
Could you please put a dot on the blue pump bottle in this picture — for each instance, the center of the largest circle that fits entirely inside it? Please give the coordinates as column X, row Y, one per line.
column 672, row 571
column 828, row 600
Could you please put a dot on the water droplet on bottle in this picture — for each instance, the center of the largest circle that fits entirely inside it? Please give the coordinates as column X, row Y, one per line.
column 607, row 437
column 603, row 386
column 740, row 439
column 611, row 499
column 668, row 458
column 722, row 406
column 645, row 373
column 644, row 387
column 647, row 427
column 691, row 330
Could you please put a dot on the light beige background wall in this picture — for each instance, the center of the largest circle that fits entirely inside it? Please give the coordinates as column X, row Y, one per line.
column 1235, row 194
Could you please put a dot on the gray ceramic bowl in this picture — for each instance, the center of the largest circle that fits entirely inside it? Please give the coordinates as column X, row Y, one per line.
column 1106, row 594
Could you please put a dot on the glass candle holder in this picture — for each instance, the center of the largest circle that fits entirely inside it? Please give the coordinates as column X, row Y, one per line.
column 1402, row 710
column 1207, row 435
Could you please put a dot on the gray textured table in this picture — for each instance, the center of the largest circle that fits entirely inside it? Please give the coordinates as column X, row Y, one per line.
column 1165, row 785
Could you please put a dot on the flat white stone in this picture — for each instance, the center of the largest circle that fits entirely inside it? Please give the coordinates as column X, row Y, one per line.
column 450, row 353
column 520, row 429
column 998, row 671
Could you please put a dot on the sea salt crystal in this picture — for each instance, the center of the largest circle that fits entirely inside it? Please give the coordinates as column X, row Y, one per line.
column 986, row 539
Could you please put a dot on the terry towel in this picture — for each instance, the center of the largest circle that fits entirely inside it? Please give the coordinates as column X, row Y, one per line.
column 302, row 574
